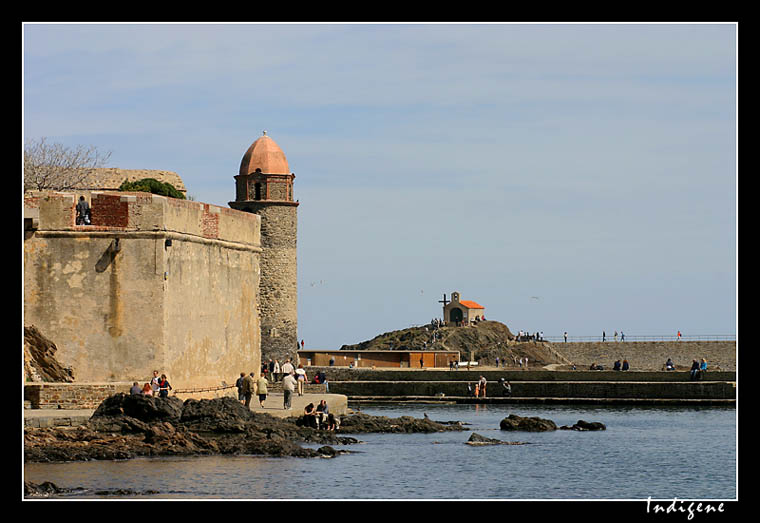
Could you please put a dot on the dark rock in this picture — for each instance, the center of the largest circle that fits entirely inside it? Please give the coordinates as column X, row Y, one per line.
column 477, row 439
column 144, row 408
column 529, row 424
column 360, row 422
column 585, row 425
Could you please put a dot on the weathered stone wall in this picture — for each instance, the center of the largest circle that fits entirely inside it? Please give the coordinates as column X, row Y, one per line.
column 153, row 283
column 278, row 293
column 650, row 355
column 71, row 395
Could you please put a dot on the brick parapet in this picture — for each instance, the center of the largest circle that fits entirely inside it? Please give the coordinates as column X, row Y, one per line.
column 130, row 211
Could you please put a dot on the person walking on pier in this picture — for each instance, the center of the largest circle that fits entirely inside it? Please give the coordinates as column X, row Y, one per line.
column 288, row 387
column 261, row 389
column 248, row 386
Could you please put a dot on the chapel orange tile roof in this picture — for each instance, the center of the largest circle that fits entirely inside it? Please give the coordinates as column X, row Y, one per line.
column 471, row 304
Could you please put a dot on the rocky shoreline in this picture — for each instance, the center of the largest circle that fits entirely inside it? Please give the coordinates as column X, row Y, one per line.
column 125, row 427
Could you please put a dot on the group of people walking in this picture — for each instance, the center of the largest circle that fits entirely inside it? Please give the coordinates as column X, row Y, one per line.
column 293, row 380
column 248, row 385
column 157, row 386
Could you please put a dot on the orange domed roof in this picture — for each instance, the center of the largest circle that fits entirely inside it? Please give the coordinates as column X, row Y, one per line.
column 265, row 156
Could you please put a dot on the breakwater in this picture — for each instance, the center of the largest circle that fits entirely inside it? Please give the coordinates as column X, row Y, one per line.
column 531, row 386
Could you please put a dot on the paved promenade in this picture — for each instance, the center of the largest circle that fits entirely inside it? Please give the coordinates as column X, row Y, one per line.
column 337, row 403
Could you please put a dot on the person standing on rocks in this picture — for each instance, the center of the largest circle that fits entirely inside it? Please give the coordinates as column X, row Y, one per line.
column 163, row 387
column 154, row 382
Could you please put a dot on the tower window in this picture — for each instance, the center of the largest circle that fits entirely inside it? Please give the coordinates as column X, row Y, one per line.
column 257, row 191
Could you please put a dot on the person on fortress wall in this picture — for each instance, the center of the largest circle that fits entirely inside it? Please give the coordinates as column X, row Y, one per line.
column 625, row 365
column 669, row 365
column 616, row 366
column 83, row 212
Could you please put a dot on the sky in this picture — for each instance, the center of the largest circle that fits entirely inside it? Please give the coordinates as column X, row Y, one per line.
column 567, row 177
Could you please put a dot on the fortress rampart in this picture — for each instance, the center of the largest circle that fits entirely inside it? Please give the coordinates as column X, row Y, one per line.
column 153, row 283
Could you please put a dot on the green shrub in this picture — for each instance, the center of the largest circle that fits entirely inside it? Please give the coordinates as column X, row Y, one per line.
column 153, row 186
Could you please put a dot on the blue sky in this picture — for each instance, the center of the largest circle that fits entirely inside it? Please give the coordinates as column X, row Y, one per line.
column 568, row 177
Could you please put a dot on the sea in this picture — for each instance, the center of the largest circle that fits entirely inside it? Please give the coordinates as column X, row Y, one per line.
column 659, row 453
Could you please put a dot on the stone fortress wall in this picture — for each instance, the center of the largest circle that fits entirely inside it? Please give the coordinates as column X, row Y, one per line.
column 153, row 283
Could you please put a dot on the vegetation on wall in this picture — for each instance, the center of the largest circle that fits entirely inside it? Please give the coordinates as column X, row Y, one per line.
column 153, row 186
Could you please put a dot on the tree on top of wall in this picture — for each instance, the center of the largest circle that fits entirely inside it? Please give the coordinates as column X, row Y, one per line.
column 153, row 186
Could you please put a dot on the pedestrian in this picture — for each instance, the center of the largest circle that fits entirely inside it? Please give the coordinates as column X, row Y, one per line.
column 565, row 336
column 154, row 382
column 526, row 362
column 622, row 336
column 678, row 336
column 261, row 390
column 83, row 212
column 604, row 336
column 301, row 378
column 287, row 367
column 615, row 336
column 239, row 385
column 301, row 344
column 271, row 370
column 135, row 390
column 248, row 386
column 276, row 371
column 163, row 387
column 288, row 387
column 482, row 383
column 497, row 362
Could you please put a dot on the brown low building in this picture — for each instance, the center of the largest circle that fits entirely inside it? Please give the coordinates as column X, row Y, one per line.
column 378, row 358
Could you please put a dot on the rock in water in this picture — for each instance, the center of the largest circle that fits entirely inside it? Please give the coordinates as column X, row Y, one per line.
column 477, row 439
column 585, row 425
column 529, row 424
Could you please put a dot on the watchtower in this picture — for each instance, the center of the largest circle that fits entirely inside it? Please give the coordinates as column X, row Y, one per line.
column 264, row 186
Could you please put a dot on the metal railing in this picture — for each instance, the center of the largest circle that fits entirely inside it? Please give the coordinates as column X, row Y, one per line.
column 668, row 337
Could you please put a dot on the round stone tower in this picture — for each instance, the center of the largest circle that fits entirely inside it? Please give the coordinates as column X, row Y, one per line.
column 264, row 186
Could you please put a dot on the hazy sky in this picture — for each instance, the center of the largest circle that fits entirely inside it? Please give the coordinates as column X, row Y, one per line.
column 568, row 177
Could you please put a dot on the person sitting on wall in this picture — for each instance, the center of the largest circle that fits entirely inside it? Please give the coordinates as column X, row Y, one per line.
column 702, row 367
column 506, row 387
column 625, row 365
column 669, row 365
column 694, row 372
column 616, row 366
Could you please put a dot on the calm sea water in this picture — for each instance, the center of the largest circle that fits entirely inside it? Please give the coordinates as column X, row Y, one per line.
column 665, row 453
